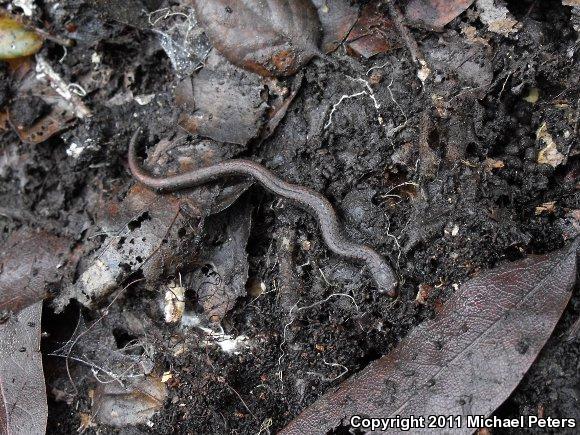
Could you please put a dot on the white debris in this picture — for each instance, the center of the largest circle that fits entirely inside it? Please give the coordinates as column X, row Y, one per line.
column 423, row 72
column 174, row 303
column 227, row 343
column 74, row 150
column 45, row 72
column 27, row 6
column 96, row 58
column 455, row 230
column 145, row 99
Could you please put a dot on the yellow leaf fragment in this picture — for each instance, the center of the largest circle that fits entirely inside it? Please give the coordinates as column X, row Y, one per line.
column 16, row 41
column 532, row 96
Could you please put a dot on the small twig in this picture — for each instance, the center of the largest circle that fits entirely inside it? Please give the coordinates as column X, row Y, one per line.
column 43, row 68
column 410, row 42
column 577, row 117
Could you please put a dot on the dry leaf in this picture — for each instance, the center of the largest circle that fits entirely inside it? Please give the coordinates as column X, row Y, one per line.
column 128, row 404
column 547, row 207
column 23, row 407
column 269, row 37
column 490, row 164
column 31, row 263
column 495, row 14
column 337, row 18
column 222, row 102
column 435, row 13
column 549, row 155
column 468, row 359
column 373, row 33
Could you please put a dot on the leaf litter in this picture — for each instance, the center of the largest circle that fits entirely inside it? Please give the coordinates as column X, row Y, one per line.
column 467, row 360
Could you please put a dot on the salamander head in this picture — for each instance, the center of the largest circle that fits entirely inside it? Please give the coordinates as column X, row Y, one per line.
column 385, row 280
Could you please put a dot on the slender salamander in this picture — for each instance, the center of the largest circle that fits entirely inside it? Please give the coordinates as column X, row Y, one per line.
column 305, row 198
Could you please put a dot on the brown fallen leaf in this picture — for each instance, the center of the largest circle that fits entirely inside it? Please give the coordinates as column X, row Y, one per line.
column 222, row 102
column 269, row 37
column 337, row 18
column 468, row 359
column 23, row 407
column 373, row 33
column 435, row 13
column 38, row 111
column 31, row 262
column 119, row 405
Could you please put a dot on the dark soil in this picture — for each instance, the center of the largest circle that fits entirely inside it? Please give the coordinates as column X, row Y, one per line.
column 413, row 179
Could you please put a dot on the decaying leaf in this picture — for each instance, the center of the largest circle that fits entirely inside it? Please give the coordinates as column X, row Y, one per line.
column 223, row 278
column 495, row 14
column 468, row 359
column 337, row 18
column 549, row 155
column 147, row 231
column 134, row 403
column 435, row 13
column 222, row 102
column 38, row 111
column 15, row 40
column 23, row 407
column 373, row 33
column 138, row 230
column 269, row 37
column 130, row 12
column 31, row 262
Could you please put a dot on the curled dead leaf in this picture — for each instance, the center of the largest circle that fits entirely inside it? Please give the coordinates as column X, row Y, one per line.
column 435, row 13
column 373, row 33
column 269, row 37
column 134, row 402
column 337, row 18
column 31, row 263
